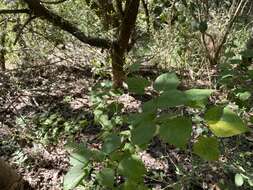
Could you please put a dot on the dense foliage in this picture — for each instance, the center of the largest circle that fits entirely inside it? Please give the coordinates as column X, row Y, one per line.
column 187, row 63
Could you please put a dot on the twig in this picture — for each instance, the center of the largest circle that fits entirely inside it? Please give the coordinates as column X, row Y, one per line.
column 14, row 11
column 53, row 2
column 23, row 27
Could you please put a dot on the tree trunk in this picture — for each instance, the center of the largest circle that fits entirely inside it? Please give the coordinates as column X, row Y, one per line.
column 118, row 60
column 120, row 47
column 10, row 180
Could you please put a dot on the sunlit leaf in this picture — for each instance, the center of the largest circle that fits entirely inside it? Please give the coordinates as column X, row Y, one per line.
column 73, row 177
column 243, row 96
column 167, row 81
column 239, row 180
column 224, row 123
column 198, row 97
column 250, row 182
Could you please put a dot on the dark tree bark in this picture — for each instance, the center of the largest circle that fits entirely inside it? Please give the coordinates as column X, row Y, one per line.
column 121, row 46
column 10, row 180
column 2, row 46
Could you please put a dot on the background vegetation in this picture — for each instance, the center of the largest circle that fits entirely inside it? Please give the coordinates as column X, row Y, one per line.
column 126, row 94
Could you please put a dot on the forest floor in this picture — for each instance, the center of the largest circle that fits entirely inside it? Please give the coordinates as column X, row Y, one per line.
column 62, row 92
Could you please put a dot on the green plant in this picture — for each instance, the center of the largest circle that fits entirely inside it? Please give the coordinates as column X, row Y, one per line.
column 50, row 126
column 118, row 155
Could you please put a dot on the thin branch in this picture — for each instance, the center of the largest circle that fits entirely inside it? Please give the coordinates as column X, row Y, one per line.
column 42, row 12
column 53, row 2
column 228, row 29
column 128, row 24
column 14, row 11
column 145, row 6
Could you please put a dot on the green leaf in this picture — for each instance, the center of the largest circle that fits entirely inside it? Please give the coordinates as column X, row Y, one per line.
column 73, row 177
column 167, row 99
column 250, row 182
column 141, row 118
column 106, row 177
column 132, row 185
column 198, row 97
column 79, row 154
column 111, row 143
column 98, row 155
column 247, row 53
column 102, row 119
column 167, row 81
column 224, row 123
column 239, row 180
column 176, row 131
column 243, row 96
column 137, row 84
column 143, row 133
column 207, row 148
column 134, row 67
column 132, row 168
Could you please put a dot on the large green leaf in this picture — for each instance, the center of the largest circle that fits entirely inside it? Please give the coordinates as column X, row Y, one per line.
column 141, row 118
column 207, row 148
column 224, row 123
column 198, row 97
column 137, row 84
column 143, row 134
column 167, row 99
column 106, row 177
column 73, row 177
column 111, row 143
column 176, row 131
column 167, row 81
column 132, row 168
